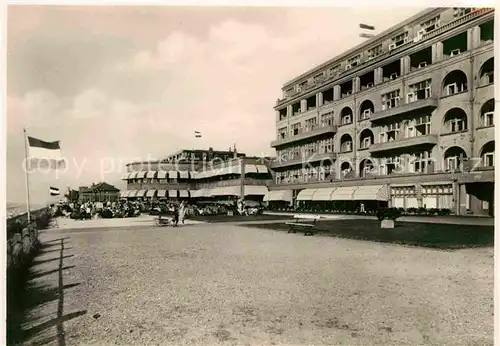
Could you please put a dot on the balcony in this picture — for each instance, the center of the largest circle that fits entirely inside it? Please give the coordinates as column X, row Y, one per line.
column 280, row 163
column 459, row 21
column 404, row 143
column 305, row 135
column 428, row 103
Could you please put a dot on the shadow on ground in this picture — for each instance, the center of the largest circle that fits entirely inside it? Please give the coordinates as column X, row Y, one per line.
column 26, row 292
column 430, row 235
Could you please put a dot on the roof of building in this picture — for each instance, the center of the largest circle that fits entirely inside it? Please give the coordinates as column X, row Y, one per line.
column 105, row 187
column 367, row 43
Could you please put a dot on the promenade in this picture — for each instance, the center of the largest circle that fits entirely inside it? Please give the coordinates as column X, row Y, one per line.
column 124, row 282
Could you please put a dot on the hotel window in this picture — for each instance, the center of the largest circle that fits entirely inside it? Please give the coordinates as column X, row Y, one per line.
column 295, row 129
column 365, row 143
column 431, row 24
column 419, row 91
column 282, row 133
column 421, row 162
column 457, row 125
column 333, row 71
column 390, row 100
column 455, row 88
column 423, row 125
column 460, row 11
column 451, row 163
column 489, row 160
column 399, row 40
column 487, row 119
column 390, row 133
column 354, row 61
column 346, row 146
column 346, row 119
column 374, row 52
column 485, row 205
column 311, row 124
column 327, row 119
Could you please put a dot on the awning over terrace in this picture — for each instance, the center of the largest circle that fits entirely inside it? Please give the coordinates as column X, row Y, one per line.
column 344, row 193
column 279, row 195
column 371, row 193
column 323, row 194
column 306, row 195
column 255, row 190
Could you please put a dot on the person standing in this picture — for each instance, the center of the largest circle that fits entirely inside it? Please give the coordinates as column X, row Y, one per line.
column 176, row 215
column 182, row 212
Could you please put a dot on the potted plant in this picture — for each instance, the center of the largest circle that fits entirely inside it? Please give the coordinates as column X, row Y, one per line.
column 387, row 216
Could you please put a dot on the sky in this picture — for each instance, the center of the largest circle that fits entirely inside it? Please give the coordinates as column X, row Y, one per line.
column 116, row 84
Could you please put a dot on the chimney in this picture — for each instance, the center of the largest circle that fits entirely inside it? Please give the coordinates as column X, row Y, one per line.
column 235, row 152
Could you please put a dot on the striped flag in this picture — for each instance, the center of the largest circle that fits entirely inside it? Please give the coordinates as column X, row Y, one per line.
column 46, row 153
column 197, row 134
column 54, row 191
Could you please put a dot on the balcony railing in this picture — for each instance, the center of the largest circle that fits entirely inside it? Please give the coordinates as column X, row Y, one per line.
column 278, row 163
column 430, row 102
column 305, row 135
column 404, row 143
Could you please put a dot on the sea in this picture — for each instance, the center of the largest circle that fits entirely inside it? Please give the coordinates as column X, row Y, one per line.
column 14, row 209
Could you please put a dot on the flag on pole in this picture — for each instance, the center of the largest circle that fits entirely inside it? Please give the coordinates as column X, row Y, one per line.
column 197, row 134
column 47, row 153
column 54, row 191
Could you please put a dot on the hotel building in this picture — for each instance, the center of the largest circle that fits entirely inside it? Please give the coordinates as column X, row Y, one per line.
column 199, row 175
column 405, row 118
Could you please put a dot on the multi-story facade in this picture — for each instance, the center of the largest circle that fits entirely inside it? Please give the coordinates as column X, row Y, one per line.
column 199, row 175
column 407, row 115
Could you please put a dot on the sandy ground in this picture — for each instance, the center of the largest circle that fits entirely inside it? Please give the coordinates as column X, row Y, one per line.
column 225, row 284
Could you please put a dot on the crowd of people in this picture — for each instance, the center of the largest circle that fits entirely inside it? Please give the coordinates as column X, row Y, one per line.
column 177, row 210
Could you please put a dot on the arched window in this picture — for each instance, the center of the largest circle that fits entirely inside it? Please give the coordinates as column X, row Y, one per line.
column 365, row 167
column 455, row 120
column 345, row 168
column 486, row 72
column 366, row 110
column 453, row 158
column 346, row 143
column 365, row 139
column 455, row 82
column 346, row 116
column 487, row 113
column 488, row 154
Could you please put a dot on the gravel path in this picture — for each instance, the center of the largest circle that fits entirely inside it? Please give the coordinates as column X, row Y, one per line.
column 226, row 284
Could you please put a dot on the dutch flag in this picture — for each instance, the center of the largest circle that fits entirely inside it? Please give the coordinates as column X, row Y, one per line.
column 45, row 153
column 197, row 134
column 54, row 191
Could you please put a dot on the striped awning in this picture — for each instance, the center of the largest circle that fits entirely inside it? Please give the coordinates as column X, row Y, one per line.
column 184, row 174
column 150, row 193
column 125, row 176
column 172, row 193
column 133, row 175
column 306, row 195
column 250, row 169
column 255, row 190
column 323, row 194
column 141, row 193
column 161, row 193
column 262, row 169
column 141, row 174
column 172, row 174
column 150, row 174
column 183, row 193
column 235, row 169
column 132, row 193
column 344, row 193
column 161, row 175
column 123, row 193
column 279, row 195
column 371, row 193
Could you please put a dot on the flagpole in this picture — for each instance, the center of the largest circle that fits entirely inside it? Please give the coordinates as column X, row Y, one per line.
column 27, row 178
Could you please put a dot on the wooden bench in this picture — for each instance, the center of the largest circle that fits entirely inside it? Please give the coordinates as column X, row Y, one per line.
column 305, row 221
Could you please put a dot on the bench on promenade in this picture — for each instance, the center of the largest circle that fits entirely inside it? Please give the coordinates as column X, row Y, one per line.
column 308, row 222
